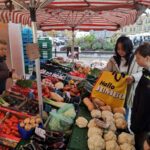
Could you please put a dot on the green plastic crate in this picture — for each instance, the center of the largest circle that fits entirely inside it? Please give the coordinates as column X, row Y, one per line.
column 45, row 43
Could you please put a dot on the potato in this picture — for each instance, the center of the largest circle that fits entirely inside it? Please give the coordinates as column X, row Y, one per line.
column 28, row 127
column 22, row 124
column 33, row 125
column 32, row 121
column 27, row 121
column 38, row 120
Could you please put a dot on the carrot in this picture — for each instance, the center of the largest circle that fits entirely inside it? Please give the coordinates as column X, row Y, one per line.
column 88, row 104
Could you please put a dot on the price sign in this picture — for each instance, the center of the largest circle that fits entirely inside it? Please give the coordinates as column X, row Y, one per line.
column 33, row 51
column 40, row 132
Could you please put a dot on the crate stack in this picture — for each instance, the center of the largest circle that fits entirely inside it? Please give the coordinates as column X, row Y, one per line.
column 27, row 37
column 45, row 46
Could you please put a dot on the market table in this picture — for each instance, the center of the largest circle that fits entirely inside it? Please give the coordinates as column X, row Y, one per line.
column 78, row 139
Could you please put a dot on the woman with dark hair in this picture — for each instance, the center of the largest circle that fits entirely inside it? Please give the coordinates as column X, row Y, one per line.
column 124, row 62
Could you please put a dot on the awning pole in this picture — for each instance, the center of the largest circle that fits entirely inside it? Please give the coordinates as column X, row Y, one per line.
column 37, row 61
column 72, row 46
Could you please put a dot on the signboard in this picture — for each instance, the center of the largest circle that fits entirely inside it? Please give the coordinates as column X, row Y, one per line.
column 33, row 51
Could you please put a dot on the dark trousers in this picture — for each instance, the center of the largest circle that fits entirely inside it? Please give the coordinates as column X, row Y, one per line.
column 139, row 140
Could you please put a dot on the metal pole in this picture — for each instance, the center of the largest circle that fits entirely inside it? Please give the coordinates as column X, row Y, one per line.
column 72, row 46
column 55, row 50
column 37, row 61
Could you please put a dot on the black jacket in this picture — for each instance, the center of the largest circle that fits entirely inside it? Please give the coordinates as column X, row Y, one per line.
column 4, row 74
column 140, row 117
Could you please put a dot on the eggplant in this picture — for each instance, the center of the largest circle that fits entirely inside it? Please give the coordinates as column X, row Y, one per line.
column 38, row 139
column 58, row 145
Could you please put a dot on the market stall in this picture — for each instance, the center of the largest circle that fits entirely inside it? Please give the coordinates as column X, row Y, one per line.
column 63, row 89
column 19, row 109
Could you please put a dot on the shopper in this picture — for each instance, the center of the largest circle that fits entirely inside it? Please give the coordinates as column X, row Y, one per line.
column 146, row 145
column 140, row 116
column 124, row 62
column 4, row 71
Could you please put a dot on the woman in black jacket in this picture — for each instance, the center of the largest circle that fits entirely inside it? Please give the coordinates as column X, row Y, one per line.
column 4, row 71
column 140, row 117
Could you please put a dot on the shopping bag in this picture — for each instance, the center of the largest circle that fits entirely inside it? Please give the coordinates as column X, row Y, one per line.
column 111, row 88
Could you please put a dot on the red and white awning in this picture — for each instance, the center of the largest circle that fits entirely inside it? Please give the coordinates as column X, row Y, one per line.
column 78, row 14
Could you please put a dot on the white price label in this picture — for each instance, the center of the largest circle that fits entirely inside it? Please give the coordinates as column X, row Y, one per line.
column 40, row 132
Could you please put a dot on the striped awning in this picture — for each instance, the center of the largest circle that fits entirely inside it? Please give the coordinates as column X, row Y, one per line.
column 76, row 14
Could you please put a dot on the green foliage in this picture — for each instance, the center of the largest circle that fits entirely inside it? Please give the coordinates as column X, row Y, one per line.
column 90, row 42
column 97, row 45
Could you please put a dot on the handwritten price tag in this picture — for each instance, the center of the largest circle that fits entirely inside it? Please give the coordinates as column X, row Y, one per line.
column 40, row 132
column 32, row 51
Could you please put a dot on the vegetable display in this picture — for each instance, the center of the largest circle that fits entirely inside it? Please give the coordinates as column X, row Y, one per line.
column 24, row 83
column 30, row 123
column 3, row 102
column 107, row 128
column 30, row 107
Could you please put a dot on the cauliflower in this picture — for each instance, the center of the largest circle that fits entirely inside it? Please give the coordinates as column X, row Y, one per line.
column 92, row 123
column 112, row 127
column 106, row 114
column 126, row 138
column 110, row 119
column 81, row 122
column 118, row 115
column 110, row 136
column 126, row 146
column 112, row 145
column 95, row 131
column 96, row 142
column 96, row 113
column 121, row 123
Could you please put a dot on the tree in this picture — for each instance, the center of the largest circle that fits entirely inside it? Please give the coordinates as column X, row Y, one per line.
column 90, row 40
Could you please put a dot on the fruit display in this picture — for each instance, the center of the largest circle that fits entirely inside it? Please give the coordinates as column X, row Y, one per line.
column 71, row 88
column 77, row 74
column 30, row 107
column 30, row 123
column 9, row 120
column 14, row 101
column 80, row 71
column 21, row 90
column 10, row 126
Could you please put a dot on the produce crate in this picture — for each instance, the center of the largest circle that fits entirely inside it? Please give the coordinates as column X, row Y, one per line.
column 15, row 101
column 45, row 43
column 30, row 107
column 78, row 139
column 5, row 138
column 27, row 37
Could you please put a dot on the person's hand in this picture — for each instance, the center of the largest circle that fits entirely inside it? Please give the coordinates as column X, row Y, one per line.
column 130, row 79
